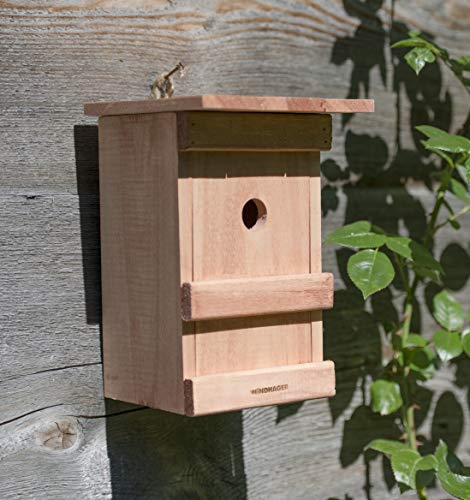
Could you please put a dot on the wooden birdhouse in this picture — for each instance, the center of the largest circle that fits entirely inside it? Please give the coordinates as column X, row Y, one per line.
column 212, row 283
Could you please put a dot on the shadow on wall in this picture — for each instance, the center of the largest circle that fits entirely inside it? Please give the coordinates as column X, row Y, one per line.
column 153, row 454
column 373, row 181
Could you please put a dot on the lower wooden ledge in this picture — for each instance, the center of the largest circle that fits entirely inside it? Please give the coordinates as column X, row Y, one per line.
column 245, row 389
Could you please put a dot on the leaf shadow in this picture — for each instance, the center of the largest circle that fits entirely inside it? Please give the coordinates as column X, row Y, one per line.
column 373, row 185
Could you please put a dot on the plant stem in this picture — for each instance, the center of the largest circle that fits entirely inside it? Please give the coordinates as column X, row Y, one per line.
column 453, row 217
column 407, row 317
column 422, row 493
column 410, row 416
column 408, row 411
column 432, row 226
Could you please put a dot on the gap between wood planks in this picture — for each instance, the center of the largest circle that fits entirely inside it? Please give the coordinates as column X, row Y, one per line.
column 49, row 370
column 106, row 415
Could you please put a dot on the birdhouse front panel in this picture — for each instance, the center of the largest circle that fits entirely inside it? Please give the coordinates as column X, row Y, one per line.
column 211, row 250
column 252, row 214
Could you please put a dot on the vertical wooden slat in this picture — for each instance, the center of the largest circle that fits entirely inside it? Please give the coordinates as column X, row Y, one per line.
column 185, row 213
column 316, row 255
column 142, row 324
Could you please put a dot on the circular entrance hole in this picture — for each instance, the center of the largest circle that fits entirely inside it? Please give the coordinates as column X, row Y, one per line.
column 254, row 213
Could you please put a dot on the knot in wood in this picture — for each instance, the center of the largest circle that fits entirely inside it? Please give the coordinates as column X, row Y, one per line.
column 59, row 435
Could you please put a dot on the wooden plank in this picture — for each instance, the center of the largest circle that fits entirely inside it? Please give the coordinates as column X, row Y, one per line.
column 50, row 284
column 257, row 296
column 219, row 131
column 185, row 219
column 234, row 391
column 225, row 248
column 316, row 317
column 232, row 103
column 142, row 328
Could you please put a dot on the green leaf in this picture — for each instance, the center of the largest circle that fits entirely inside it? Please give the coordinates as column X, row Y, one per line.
column 458, row 189
column 466, row 341
column 416, row 40
column 370, row 271
column 403, row 465
column 386, row 396
column 427, row 462
column 410, row 249
column 440, row 139
column 357, row 235
column 387, row 446
column 463, row 167
column 400, row 245
column 440, row 153
column 448, row 344
column 415, row 340
column 407, row 464
column 424, row 272
column 424, row 471
column 422, row 362
column 448, row 311
column 456, row 465
column 464, row 63
column 418, row 57
column 424, row 258
column 455, row 484
column 409, row 42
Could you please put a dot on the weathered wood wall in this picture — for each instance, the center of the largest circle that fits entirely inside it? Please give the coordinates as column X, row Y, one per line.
column 58, row 437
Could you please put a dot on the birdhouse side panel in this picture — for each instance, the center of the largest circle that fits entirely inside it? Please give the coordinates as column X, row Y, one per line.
column 142, row 324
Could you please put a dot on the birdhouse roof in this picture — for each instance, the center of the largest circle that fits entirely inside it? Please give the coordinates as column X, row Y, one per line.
column 256, row 104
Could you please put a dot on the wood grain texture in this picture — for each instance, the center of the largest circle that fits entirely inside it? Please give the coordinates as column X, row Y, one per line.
column 316, row 317
column 219, row 131
column 256, row 296
column 251, row 388
column 185, row 223
column 270, row 104
column 223, row 247
column 55, row 57
column 143, row 359
column 140, row 260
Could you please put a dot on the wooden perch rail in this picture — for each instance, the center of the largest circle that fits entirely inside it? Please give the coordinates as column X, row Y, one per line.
column 256, row 296
column 243, row 389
